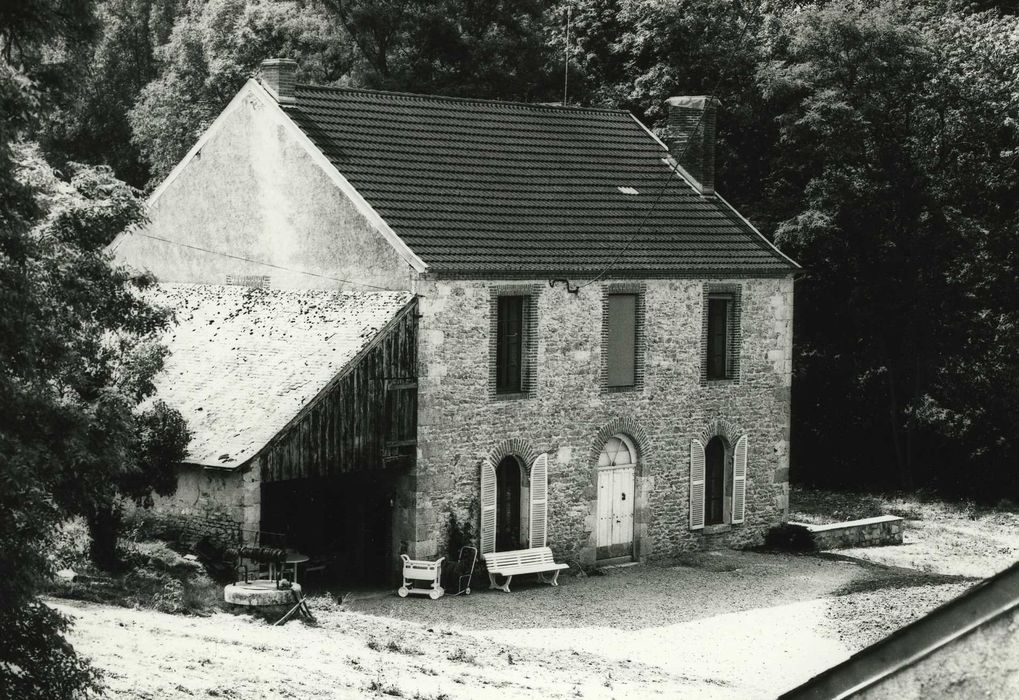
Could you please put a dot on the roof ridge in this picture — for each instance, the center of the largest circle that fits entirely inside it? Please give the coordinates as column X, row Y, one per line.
column 473, row 100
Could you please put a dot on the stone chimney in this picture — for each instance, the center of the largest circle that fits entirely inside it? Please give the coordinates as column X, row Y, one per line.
column 690, row 135
column 278, row 76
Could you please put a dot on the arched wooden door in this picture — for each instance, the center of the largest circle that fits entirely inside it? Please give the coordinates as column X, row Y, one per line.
column 616, row 468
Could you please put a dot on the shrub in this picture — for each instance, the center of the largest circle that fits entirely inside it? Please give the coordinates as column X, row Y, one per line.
column 458, row 535
column 789, row 538
column 69, row 547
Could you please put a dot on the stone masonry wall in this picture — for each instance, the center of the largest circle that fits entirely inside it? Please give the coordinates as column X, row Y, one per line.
column 870, row 532
column 217, row 494
column 569, row 415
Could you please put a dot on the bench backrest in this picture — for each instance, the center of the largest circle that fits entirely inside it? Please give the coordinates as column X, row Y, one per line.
column 520, row 557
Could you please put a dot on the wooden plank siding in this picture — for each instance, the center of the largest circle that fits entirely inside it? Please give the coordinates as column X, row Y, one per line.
column 366, row 418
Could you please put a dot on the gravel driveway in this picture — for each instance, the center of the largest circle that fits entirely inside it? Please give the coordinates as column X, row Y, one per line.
column 699, row 585
column 778, row 618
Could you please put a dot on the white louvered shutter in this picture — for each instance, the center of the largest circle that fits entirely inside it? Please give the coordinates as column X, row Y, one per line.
column 739, row 480
column 539, row 502
column 487, row 506
column 696, row 485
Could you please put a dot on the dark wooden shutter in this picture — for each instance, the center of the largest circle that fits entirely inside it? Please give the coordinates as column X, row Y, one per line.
column 718, row 330
column 509, row 344
column 622, row 340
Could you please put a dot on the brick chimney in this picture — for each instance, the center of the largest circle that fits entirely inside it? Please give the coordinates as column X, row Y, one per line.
column 690, row 135
column 278, row 75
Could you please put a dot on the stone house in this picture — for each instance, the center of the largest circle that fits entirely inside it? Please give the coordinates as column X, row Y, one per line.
column 585, row 302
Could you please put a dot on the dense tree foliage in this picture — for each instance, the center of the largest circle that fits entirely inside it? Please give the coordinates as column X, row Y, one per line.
column 103, row 81
column 77, row 355
column 895, row 184
column 214, row 46
column 475, row 48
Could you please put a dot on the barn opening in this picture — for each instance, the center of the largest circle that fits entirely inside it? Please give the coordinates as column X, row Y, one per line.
column 350, row 520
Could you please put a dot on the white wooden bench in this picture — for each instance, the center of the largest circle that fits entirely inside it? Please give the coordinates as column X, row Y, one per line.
column 522, row 561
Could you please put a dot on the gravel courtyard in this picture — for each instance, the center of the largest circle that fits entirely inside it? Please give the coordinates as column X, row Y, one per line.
column 780, row 618
column 640, row 631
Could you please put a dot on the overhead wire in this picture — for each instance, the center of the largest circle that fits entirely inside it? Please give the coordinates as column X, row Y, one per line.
column 674, row 172
column 265, row 264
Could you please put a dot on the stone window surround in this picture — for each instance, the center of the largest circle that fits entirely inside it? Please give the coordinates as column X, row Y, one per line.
column 735, row 340
column 515, row 447
column 529, row 353
column 640, row 344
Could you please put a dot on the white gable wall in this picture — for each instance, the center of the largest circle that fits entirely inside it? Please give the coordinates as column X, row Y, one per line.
column 253, row 190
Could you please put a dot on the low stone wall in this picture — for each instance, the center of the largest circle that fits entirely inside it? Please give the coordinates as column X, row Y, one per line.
column 869, row 532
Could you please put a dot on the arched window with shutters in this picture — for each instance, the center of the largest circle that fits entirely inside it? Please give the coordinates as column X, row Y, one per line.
column 718, row 473
column 514, row 504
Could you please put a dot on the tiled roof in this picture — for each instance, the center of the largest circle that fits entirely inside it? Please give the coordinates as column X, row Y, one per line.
column 476, row 185
column 243, row 362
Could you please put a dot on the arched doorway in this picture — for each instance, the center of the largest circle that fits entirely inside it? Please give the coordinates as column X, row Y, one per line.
column 510, row 508
column 715, row 511
column 616, row 467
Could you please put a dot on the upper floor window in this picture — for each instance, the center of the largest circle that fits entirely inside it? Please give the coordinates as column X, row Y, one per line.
column 513, row 341
column 621, row 349
column 719, row 325
column 721, row 338
column 623, row 337
column 509, row 345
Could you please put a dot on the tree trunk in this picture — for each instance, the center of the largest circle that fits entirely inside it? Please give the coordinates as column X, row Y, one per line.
column 104, row 526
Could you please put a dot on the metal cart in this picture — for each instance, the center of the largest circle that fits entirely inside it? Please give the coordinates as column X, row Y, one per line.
column 421, row 570
column 466, row 560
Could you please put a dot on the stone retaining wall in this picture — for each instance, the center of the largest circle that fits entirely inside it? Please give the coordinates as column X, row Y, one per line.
column 869, row 532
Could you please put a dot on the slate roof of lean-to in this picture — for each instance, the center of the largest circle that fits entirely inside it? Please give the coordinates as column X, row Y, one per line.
column 484, row 186
column 243, row 362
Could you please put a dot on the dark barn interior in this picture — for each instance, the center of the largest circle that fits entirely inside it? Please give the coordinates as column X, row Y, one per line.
column 346, row 520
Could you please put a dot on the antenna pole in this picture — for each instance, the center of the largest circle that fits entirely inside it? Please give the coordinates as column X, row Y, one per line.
column 566, row 67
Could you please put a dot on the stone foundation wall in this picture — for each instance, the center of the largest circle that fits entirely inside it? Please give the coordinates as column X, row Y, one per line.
column 569, row 415
column 869, row 532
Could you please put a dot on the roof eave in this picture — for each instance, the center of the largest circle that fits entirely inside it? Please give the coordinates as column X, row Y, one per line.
column 581, row 274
